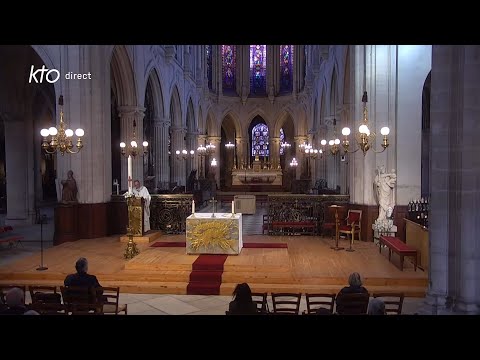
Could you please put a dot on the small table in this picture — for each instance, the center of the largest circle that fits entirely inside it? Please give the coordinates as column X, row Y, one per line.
column 337, row 225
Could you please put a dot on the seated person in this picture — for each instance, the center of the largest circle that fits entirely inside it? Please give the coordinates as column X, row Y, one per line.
column 354, row 285
column 376, row 306
column 323, row 311
column 81, row 278
column 242, row 303
column 15, row 301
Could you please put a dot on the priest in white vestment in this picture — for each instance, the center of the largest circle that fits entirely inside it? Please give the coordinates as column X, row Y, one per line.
column 141, row 191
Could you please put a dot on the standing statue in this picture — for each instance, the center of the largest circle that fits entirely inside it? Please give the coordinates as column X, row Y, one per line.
column 384, row 183
column 70, row 191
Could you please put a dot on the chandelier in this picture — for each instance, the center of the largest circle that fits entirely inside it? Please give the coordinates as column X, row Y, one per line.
column 61, row 138
column 365, row 138
column 132, row 148
column 333, row 143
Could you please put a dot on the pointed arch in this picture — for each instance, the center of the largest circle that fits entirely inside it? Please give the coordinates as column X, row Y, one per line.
column 259, row 137
column 211, row 125
column 175, row 108
column 235, row 121
column 153, row 81
column 122, row 77
column 200, row 121
column 333, row 93
column 190, row 122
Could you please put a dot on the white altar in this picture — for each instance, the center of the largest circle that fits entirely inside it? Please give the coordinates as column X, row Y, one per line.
column 257, row 177
column 221, row 234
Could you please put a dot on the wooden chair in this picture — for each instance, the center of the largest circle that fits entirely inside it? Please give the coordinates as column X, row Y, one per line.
column 352, row 304
column 45, row 294
column 110, row 298
column 286, row 303
column 353, row 225
column 87, row 309
column 77, row 295
column 261, row 300
column 49, row 308
column 316, row 301
column 393, row 302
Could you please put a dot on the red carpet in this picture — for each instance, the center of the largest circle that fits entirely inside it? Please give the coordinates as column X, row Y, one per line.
column 207, row 270
column 245, row 245
column 206, row 275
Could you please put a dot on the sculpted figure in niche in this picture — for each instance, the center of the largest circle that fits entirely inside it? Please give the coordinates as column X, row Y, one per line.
column 384, row 183
column 69, row 191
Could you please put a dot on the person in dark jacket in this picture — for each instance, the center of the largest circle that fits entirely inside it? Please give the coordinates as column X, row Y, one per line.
column 242, row 303
column 81, row 278
column 355, row 285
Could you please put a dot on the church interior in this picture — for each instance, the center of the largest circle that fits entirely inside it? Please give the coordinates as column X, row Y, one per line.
column 182, row 171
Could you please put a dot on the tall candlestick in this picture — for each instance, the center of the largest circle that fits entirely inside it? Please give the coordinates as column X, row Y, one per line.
column 193, row 206
column 233, row 207
column 130, row 179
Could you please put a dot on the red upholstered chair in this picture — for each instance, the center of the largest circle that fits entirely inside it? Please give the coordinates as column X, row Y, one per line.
column 353, row 226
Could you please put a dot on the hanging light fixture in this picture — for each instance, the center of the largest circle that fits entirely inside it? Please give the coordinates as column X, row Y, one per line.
column 365, row 137
column 61, row 138
column 132, row 148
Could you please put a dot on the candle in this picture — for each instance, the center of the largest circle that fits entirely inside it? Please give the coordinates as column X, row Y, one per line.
column 130, row 174
column 193, row 206
column 233, row 207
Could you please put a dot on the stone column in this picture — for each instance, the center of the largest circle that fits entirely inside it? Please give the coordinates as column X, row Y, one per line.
column 299, row 154
column 453, row 225
column 160, row 137
column 272, row 67
column 19, row 177
column 201, row 140
column 240, row 145
column 129, row 114
column 275, row 152
column 215, row 140
column 190, row 161
column 178, row 165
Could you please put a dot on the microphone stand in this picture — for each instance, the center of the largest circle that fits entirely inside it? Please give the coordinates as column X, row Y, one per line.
column 41, row 267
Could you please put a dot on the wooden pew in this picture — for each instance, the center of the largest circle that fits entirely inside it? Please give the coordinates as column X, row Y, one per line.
column 398, row 246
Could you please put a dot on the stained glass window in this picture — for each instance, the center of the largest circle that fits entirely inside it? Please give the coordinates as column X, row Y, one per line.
column 260, row 140
column 209, row 65
column 286, row 68
column 258, row 68
column 282, row 140
column 228, row 67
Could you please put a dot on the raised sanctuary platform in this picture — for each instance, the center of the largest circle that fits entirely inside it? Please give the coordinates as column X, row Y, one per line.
column 307, row 265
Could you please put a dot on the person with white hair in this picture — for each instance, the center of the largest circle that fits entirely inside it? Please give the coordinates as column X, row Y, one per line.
column 376, row 306
column 355, row 285
column 15, row 301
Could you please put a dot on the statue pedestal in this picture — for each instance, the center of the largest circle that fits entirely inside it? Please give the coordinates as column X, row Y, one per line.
column 376, row 234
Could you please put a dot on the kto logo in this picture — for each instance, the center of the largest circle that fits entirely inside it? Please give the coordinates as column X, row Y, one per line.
column 51, row 75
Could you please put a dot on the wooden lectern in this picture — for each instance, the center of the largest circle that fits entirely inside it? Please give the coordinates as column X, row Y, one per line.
column 135, row 215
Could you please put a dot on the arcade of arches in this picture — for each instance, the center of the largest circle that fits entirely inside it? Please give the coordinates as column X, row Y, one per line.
column 269, row 101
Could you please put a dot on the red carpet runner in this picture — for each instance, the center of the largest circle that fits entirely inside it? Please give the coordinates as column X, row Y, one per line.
column 207, row 270
column 206, row 275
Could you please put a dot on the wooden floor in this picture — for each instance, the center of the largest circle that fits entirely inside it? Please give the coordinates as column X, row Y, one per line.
column 307, row 265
